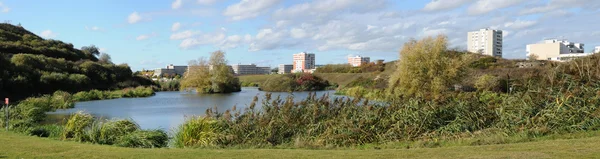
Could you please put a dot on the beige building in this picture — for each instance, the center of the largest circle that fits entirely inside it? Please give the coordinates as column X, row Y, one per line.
column 303, row 62
column 358, row 60
column 250, row 69
column 486, row 42
column 283, row 69
column 555, row 50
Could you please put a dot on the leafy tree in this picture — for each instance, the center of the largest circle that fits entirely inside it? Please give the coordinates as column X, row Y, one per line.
column 213, row 76
column 427, row 68
column 105, row 58
column 92, row 49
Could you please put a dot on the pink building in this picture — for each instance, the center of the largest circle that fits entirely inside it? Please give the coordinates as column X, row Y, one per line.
column 303, row 62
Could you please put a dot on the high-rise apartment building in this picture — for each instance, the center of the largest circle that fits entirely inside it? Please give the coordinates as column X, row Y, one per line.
column 303, row 61
column 486, row 42
column 358, row 60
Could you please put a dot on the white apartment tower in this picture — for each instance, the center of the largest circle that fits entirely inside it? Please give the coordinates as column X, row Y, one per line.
column 303, row 62
column 485, row 41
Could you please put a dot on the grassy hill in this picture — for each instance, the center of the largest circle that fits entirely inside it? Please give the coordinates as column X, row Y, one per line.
column 33, row 66
column 20, row 146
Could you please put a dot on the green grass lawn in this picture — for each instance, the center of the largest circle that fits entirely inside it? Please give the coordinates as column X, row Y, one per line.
column 19, row 146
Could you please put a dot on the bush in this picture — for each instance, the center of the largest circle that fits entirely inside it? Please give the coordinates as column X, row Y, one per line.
column 110, row 131
column 49, row 131
column 196, row 132
column 294, row 82
column 144, row 139
column 76, row 126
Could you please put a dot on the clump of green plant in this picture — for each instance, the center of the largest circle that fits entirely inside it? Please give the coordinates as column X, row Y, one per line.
column 124, row 93
column 249, row 84
column 108, row 132
column 427, row 68
column 49, row 131
column 294, row 82
column 196, row 132
column 76, row 126
column 212, row 76
column 144, row 139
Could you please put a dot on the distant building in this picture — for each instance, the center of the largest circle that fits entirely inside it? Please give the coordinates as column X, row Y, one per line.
column 485, row 41
column 597, row 50
column 283, row 69
column 556, row 50
column 358, row 60
column 171, row 70
column 303, row 62
column 250, row 69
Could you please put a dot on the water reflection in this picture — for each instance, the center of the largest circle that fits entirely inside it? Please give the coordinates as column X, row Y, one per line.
column 166, row 110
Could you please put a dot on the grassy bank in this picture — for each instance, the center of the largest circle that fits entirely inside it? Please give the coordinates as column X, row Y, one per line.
column 20, row 146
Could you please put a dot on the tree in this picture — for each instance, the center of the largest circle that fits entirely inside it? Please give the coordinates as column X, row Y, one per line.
column 213, row 76
column 105, row 58
column 532, row 57
column 275, row 70
column 92, row 49
column 427, row 68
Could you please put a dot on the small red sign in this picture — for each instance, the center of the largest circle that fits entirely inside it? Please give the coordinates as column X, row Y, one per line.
column 6, row 101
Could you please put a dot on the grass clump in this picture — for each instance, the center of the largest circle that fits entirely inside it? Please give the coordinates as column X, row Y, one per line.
column 124, row 93
column 196, row 132
column 144, row 139
column 76, row 126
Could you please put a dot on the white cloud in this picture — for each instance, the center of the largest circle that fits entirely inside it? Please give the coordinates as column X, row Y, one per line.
column 93, row 28
column 145, row 36
column 206, row 2
column 48, row 34
column 433, row 32
column 248, row 8
column 298, row 33
column 134, row 18
column 184, row 35
column 176, row 26
column 486, row 6
column 103, row 50
column 554, row 5
column 176, row 4
column 4, row 8
column 438, row 5
column 520, row 24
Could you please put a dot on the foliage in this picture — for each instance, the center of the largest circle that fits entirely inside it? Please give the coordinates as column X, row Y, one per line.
column 249, row 84
column 486, row 83
column 347, row 68
column 294, row 82
column 483, row 63
column 196, row 132
column 427, row 69
column 124, row 93
column 144, row 139
column 49, row 131
column 171, row 85
column 105, row 58
column 75, row 128
column 213, row 76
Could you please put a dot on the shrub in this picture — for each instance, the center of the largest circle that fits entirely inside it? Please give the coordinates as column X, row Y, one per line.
column 75, row 128
column 294, row 82
column 144, row 139
column 49, row 131
column 110, row 131
column 196, row 132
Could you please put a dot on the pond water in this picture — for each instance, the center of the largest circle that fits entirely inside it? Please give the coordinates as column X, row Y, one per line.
column 167, row 110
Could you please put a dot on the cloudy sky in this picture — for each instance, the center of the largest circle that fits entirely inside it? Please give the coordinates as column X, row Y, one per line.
column 151, row 34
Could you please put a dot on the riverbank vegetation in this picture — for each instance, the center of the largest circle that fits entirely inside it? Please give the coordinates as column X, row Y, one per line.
column 428, row 100
column 212, row 76
column 294, row 83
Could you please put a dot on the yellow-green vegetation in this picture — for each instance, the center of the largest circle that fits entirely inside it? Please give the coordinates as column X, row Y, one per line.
column 213, row 76
column 83, row 127
column 124, row 93
column 20, row 146
column 294, row 83
column 555, row 99
column 196, row 132
column 427, row 68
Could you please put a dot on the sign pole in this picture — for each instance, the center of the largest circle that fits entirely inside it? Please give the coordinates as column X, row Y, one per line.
column 7, row 113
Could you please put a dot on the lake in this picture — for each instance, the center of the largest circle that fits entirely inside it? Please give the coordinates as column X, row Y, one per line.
column 167, row 110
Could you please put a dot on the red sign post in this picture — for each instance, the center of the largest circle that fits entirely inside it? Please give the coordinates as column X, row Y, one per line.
column 6, row 101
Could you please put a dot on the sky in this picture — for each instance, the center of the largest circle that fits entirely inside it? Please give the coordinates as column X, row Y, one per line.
column 152, row 34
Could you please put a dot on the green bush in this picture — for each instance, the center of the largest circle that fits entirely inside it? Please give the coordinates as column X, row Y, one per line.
column 49, row 131
column 76, row 126
column 144, row 139
column 109, row 132
column 196, row 132
column 294, row 82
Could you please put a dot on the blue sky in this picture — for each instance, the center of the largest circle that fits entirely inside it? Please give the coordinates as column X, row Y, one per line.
column 153, row 34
